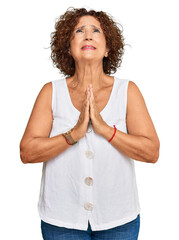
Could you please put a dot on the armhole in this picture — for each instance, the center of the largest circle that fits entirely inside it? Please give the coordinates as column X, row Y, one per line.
column 126, row 94
column 125, row 102
column 53, row 99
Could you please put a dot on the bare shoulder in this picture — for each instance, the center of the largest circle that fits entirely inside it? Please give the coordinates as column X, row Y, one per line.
column 135, row 99
column 46, row 91
column 138, row 119
column 45, row 96
column 44, row 99
column 48, row 86
column 41, row 118
column 133, row 91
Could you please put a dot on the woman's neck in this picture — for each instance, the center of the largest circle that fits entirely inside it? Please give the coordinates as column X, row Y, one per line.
column 86, row 74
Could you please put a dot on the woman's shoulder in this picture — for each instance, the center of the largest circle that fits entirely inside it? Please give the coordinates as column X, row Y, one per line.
column 133, row 89
column 45, row 94
column 48, row 86
column 46, row 89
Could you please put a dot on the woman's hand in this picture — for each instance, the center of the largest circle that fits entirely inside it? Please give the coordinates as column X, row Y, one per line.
column 96, row 119
column 82, row 124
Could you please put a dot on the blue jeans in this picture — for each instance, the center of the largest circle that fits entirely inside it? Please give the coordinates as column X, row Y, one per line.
column 128, row 231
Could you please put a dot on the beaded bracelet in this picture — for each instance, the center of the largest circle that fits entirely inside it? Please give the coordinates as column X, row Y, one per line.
column 113, row 133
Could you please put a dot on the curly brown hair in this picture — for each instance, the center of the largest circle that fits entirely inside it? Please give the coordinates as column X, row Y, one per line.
column 64, row 27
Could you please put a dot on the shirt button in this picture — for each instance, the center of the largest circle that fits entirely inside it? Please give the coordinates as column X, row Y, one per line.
column 88, row 206
column 89, row 154
column 89, row 181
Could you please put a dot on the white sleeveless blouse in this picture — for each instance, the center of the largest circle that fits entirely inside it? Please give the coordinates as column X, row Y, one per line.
column 91, row 180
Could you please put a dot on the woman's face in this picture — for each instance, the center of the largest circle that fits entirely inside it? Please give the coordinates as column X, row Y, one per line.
column 88, row 40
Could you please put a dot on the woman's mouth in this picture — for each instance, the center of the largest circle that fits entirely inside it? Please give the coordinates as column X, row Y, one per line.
column 88, row 47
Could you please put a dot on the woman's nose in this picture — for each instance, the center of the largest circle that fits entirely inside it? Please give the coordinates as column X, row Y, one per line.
column 88, row 35
column 88, row 38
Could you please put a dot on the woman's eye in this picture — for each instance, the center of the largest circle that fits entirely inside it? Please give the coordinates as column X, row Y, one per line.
column 79, row 30
column 96, row 30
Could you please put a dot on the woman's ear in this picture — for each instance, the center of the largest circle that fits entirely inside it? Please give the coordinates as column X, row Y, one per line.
column 106, row 53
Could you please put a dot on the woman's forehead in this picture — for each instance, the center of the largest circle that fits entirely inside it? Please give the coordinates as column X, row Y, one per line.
column 88, row 21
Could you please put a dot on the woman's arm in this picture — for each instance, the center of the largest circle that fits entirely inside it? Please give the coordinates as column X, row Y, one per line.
column 36, row 146
column 142, row 142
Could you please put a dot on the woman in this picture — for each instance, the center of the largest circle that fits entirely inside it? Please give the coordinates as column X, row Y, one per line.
column 87, row 129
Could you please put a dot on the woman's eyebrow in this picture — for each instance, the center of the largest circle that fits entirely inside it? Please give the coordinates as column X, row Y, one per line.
column 85, row 26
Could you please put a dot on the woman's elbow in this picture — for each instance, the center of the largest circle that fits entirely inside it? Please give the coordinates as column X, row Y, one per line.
column 23, row 154
column 156, row 152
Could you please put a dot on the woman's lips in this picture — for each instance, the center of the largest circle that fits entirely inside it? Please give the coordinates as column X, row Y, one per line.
column 88, row 47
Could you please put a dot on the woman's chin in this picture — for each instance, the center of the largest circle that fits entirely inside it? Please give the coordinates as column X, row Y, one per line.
column 90, row 57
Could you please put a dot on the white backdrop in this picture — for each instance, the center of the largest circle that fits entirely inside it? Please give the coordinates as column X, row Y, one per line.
column 151, row 28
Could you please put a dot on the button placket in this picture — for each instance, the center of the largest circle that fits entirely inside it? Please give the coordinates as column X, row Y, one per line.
column 88, row 205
